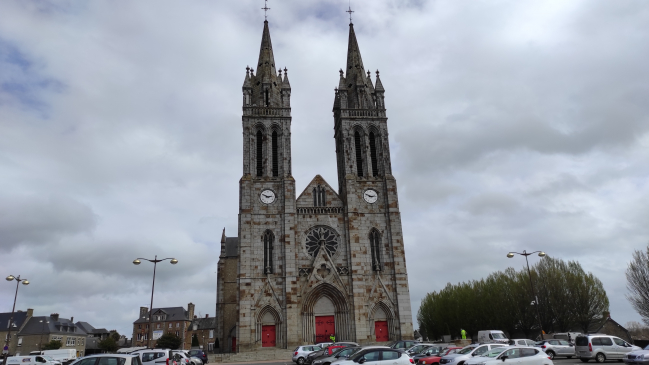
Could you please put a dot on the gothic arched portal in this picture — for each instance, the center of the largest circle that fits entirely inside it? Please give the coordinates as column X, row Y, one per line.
column 318, row 306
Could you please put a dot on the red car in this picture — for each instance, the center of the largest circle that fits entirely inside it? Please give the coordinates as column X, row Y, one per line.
column 434, row 360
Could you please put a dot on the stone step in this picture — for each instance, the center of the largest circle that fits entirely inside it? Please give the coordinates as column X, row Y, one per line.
column 275, row 354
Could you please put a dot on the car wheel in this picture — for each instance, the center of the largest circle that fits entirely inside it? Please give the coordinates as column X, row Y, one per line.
column 600, row 358
column 551, row 354
column 300, row 361
column 620, row 360
column 583, row 360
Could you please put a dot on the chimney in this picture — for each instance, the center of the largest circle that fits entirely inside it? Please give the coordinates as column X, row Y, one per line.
column 30, row 312
column 207, row 315
column 72, row 319
column 55, row 317
column 143, row 311
column 195, row 317
column 190, row 310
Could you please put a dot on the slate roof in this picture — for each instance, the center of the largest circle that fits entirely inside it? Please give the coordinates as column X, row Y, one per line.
column 204, row 323
column 231, row 246
column 173, row 314
column 62, row 326
column 89, row 329
column 19, row 319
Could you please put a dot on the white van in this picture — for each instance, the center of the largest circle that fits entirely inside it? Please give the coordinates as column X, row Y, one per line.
column 32, row 360
column 492, row 336
column 64, row 356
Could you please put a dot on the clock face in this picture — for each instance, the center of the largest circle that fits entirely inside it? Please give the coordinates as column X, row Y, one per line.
column 267, row 196
column 370, row 196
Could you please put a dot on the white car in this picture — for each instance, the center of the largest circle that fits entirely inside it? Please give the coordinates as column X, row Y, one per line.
column 301, row 352
column 109, row 359
column 182, row 358
column 376, row 356
column 513, row 355
column 467, row 353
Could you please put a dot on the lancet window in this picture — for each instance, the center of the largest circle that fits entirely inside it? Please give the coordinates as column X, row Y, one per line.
column 319, row 196
column 260, row 154
column 275, row 154
column 375, row 248
column 358, row 144
column 269, row 239
column 373, row 155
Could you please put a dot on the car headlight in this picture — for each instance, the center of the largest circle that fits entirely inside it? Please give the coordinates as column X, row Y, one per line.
column 645, row 357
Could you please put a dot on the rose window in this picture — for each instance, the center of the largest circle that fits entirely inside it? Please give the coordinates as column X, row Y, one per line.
column 321, row 236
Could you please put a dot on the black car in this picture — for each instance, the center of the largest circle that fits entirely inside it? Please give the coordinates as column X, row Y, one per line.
column 199, row 354
column 325, row 351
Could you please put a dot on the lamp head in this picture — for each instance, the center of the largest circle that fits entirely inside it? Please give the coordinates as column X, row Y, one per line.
column 174, row 261
column 510, row 255
column 25, row 282
column 542, row 254
column 10, row 278
column 136, row 262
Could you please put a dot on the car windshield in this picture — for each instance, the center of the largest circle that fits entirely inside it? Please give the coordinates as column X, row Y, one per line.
column 494, row 352
column 498, row 336
column 647, row 347
column 430, row 350
column 48, row 358
column 466, row 350
column 346, row 351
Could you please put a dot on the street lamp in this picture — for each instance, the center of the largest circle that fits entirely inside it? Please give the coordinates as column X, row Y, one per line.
column 11, row 319
column 155, row 262
column 42, row 330
column 529, row 274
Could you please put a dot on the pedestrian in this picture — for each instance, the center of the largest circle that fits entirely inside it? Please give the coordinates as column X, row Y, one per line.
column 463, row 332
column 332, row 337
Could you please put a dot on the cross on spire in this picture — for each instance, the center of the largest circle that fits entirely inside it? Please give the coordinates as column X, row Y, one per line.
column 350, row 11
column 265, row 9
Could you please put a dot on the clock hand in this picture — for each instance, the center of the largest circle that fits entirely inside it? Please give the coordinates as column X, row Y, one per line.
column 267, row 196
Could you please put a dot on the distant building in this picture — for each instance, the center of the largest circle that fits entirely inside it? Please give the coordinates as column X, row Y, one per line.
column 19, row 320
column 38, row 331
column 93, row 337
column 174, row 320
column 610, row 327
column 205, row 331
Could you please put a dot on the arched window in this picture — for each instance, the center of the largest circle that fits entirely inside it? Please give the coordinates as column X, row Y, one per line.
column 260, row 154
column 319, row 196
column 268, row 252
column 275, row 161
column 375, row 161
column 375, row 247
column 359, row 154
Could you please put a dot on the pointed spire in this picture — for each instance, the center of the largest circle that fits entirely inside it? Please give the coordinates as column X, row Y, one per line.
column 286, row 84
column 223, row 236
column 379, row 84
column 246, row 81
column 355, row 68
column 369, row 82
column 266, row 64
column 341, row 83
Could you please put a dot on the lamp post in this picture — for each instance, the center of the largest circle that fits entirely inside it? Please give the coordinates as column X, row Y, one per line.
column 11, row 319
column 529, row 274
column 42, row 330
column 155, row 262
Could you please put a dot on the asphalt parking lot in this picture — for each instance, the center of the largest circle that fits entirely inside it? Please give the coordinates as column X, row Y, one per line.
column 575, row 361
column 557, row 361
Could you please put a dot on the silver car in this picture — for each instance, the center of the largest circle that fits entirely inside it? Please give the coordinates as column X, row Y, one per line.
column 602, row 347
column 638, row 357
column 467, row 353
column 556, row 348
column 301, row 352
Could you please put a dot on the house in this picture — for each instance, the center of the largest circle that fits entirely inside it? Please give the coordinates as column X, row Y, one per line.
column 204, row 329
column 94, row 336
column 174, row 320
column 610, row 327
column 19, row 320
column 40, row 330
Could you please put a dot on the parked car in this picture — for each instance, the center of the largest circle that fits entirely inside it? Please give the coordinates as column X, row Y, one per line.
column 339, row 354
column 376, row 356
column 194, row 360
column 181, row 357
column 64, row 356
column 637, row 357
column 468, row 352
column 511, row 355
column 109, row 359
column 427, row 352
column 301, row 352
column 154, row 356
column 492, row 336
column 522, row 342
column 602, row 347
column 198, row 354
column 418, row 348
column 32, row 360
column 402, row 344
column 325, row 351
column 556, row 348
column 434, row 360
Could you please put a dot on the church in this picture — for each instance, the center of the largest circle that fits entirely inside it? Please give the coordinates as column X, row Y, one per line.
column 325, row 262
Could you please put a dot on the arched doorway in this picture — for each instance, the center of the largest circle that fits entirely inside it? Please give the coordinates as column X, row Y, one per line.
column 324, row 312
column 383, row 322
column 269, row 323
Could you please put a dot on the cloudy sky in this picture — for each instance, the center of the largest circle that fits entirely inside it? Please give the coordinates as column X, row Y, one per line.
column 513, row 125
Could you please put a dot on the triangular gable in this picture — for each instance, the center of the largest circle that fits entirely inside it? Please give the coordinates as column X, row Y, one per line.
column 159, row 311
column 306, row 197
column 379, row 291
column 268, row 296
column 324, row 271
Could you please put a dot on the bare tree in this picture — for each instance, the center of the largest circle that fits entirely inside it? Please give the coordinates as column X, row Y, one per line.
column 637, row 330
column 637, row 278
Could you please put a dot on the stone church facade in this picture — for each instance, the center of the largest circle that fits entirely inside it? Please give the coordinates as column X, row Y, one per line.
column 324, row 262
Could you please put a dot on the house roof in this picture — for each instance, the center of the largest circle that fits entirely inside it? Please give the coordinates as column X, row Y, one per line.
column 46, row 324
column 173, row 314
column 19, row 319
column 231, row 246
column 204, row 323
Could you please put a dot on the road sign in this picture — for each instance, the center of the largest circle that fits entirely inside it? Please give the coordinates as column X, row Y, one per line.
column 5, row 350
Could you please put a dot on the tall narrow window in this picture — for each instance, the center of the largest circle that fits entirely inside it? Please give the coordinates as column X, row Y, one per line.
column 359, row 154
column 323, row 197
column 260, row 154
column 267, row 98
column 275, row 161
column 375, row 164
column 319, row 196
column 375, row 247
column 315, row 197
column 268, row 252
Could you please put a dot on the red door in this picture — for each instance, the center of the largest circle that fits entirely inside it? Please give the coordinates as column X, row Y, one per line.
column 324, row 327
column 234, row 344
column 268, row 336
column 381, row 330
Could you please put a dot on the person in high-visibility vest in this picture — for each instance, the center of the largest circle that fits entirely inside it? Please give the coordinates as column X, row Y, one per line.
column 463, row 332
column 332, row 337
